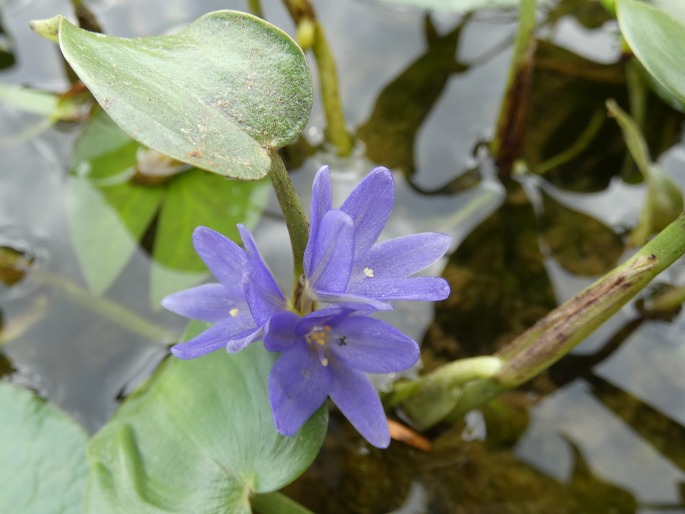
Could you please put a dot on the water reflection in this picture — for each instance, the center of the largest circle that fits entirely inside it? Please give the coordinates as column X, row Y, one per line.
column 611, row 447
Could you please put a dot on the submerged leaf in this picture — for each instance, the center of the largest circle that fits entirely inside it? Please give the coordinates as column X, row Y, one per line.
column 105, row 234
column 43, row 455
column 580, row 243
column 255, row 93
column 199, row 434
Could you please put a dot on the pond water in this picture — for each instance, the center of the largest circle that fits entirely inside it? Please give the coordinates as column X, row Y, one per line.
column 601, row 431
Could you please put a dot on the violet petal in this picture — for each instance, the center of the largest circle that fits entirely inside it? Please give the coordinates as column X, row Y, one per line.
column 348, row 300
column 207, row 302
column 298, row 385
column 413, row 288
column 279, row 332
column 321, row 203
column 332, row 253
column 356, row 398
column 406, row 255
column 215, row 337
column 373, row 346
column 369, row 205
column 223, row 257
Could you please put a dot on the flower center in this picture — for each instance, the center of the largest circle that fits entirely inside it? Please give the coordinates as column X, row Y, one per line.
column 317, row 338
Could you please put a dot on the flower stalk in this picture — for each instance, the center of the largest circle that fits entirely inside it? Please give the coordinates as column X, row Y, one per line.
column 295, row 219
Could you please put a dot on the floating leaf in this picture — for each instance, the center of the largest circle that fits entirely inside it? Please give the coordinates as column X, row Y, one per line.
column 200, row 435
column 43, row 455
column 255, row 93
column 657, row 38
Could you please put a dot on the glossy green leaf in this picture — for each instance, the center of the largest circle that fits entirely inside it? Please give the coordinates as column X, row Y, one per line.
column 657, row 38
column 43, row 456
column 255, row 93
column 199, row 437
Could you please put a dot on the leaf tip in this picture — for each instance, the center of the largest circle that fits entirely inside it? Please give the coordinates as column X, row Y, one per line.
column 49, row 29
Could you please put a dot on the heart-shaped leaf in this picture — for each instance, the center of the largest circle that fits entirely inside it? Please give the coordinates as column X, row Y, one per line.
column 198, row 437
column 43, row 456
column 219, row 94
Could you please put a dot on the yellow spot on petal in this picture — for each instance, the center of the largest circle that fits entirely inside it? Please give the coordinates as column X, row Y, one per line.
column 324, row 362
column 368, row 272
column 233, row 312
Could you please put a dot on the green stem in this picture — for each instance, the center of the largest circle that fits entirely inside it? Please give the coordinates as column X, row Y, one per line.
column 277, row 503
column 508, row 142
column 295, row 219
column 570, row 323
column 332, row 104
column 304, row 16
column 101, row 306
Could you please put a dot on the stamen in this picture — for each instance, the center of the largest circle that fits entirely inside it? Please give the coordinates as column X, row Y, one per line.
column 233, row 312
column 322, row 356
column 318, row 337
column 368, row 272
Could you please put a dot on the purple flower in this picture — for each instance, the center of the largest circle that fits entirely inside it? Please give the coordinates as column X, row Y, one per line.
column 328, row 353
column 343, row 263
column 239, row 305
